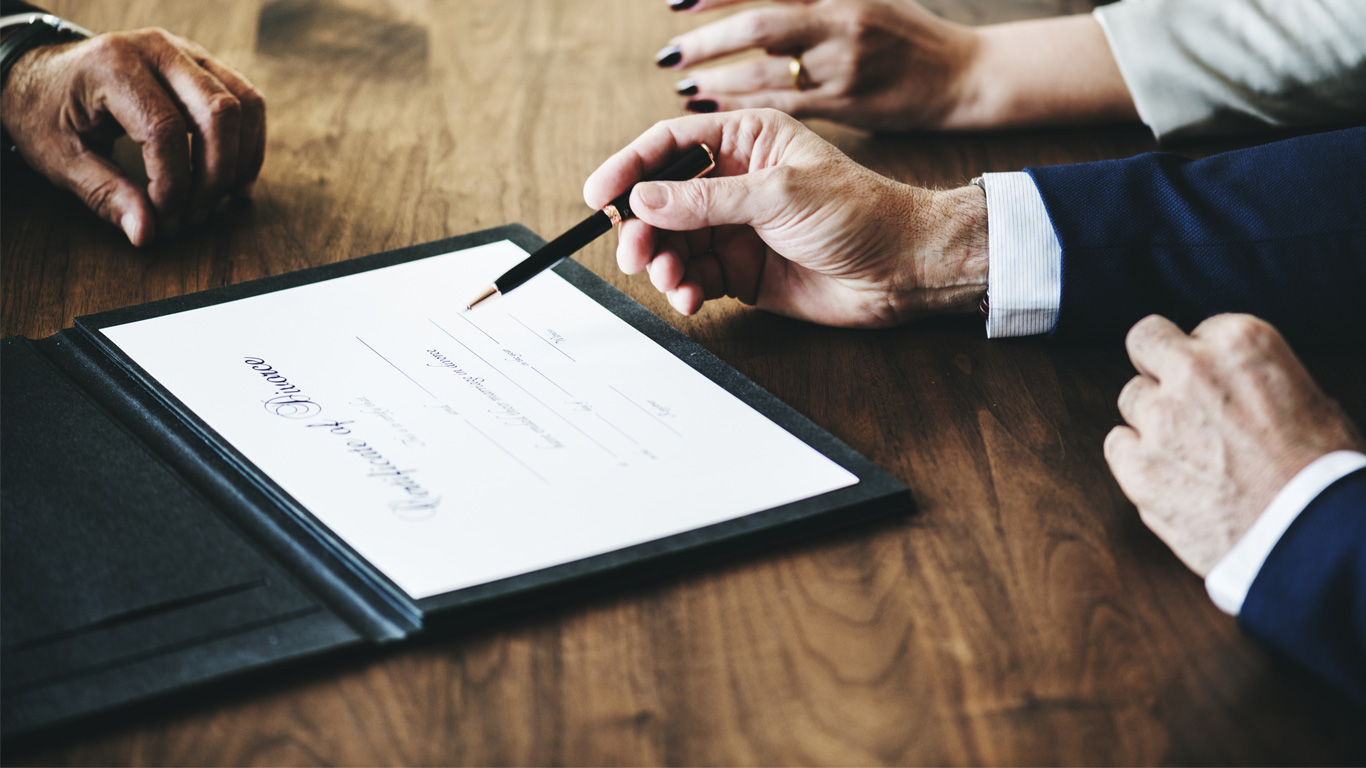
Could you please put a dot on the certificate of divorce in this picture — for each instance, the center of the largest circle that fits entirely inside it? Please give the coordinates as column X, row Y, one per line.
column 452, row 448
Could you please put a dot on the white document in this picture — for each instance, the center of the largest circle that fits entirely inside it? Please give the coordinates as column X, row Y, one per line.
column 453, row 448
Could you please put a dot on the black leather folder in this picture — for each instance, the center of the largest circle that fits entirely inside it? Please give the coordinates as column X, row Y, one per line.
column 142, row 554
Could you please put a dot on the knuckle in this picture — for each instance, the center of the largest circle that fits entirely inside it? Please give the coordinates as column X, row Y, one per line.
column 754, row 78
column 752, row 126
column 1195, row 369
column 847, row 65
column 857, row 20
column 757, row 26
column 1127, row 393
column 224, row 107
column 1109, row 446
column 106, row 42
column 156, row 36
column 772, row 118
column 695, row 197
column 111, row 49
column 785, row 181
column 1245, row 332
column 253, row 103
column 1113, row 445
column 1142, row 329
column 166, row 128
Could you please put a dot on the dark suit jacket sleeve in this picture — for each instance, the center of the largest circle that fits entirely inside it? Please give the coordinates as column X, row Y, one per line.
column 1277, row 230
column 1308, row 601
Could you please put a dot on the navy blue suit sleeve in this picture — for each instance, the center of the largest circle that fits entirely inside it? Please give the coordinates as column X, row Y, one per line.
column 1277, row 230
column 1308, row 601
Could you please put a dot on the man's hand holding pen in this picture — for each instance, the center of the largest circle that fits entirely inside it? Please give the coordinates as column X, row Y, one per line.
column 790, row 224
column 690, row 163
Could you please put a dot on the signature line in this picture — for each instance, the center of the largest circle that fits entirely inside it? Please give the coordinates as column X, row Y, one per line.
column 552, row 381
column 509, row 453
column 395, row 367
column 614, row 426
column 647, row 413
column 461, row 315
column 542, row 338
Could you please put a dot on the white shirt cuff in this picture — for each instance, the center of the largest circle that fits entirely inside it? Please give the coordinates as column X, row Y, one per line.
column 1024, row 272
column 1231, row 578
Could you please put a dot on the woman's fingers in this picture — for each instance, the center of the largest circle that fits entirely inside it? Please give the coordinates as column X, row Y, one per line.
column 776, row 29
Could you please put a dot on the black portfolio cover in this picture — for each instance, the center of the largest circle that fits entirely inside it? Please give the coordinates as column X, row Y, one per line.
column 142, row 555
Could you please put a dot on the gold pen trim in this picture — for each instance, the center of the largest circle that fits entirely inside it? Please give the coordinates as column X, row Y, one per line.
column 489, row 291
column 711, row 161
column 615, row 215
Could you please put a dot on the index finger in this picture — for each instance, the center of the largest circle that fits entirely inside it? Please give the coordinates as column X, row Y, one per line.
column 1153, row 344
column 776, row 30
column 138, row 101
column 710, row 5
column 731, row 135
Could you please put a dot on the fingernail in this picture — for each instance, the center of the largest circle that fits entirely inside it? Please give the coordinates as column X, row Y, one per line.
column 129, row 222
column 651, row 195
column 681, row 5
column 701, row 105
column 669, row 56
column 686, row 87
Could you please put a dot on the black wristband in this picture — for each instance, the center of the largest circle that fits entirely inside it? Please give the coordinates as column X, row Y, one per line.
column 42, row 29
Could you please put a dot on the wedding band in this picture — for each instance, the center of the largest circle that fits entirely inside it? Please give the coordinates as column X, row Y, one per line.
column 800, row 80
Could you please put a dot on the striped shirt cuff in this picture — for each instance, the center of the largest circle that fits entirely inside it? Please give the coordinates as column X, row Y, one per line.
column 1024, row 276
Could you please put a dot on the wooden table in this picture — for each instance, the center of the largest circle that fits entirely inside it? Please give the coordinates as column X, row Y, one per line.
column 1022, row 615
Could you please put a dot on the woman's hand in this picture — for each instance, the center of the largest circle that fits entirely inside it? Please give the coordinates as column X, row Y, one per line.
column 789, row 224
column 880, row 64
column 892, row 65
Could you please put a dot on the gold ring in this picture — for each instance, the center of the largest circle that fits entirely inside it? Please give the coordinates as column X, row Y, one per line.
column 800, row 80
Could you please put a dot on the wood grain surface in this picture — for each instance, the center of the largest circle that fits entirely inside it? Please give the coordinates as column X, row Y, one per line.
column 1022, row 615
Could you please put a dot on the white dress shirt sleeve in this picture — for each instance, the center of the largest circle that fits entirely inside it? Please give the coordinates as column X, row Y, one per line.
column 1024, row 276
column 1231, row 578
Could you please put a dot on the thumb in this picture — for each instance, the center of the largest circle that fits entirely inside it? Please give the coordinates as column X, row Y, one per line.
column 699, row 203
column 112, row 196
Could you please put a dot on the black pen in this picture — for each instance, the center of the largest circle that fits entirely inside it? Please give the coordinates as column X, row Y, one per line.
column 694, row 163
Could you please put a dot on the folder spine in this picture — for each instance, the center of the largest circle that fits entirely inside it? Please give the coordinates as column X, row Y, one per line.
column 362, row 597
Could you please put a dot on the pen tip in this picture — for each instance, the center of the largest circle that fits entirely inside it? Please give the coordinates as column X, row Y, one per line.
column 492, row 289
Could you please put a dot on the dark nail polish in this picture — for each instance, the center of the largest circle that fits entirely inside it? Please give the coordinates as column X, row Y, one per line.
column 686, row 87
column 669, row 56
column 701, row 105
column 681, row 5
